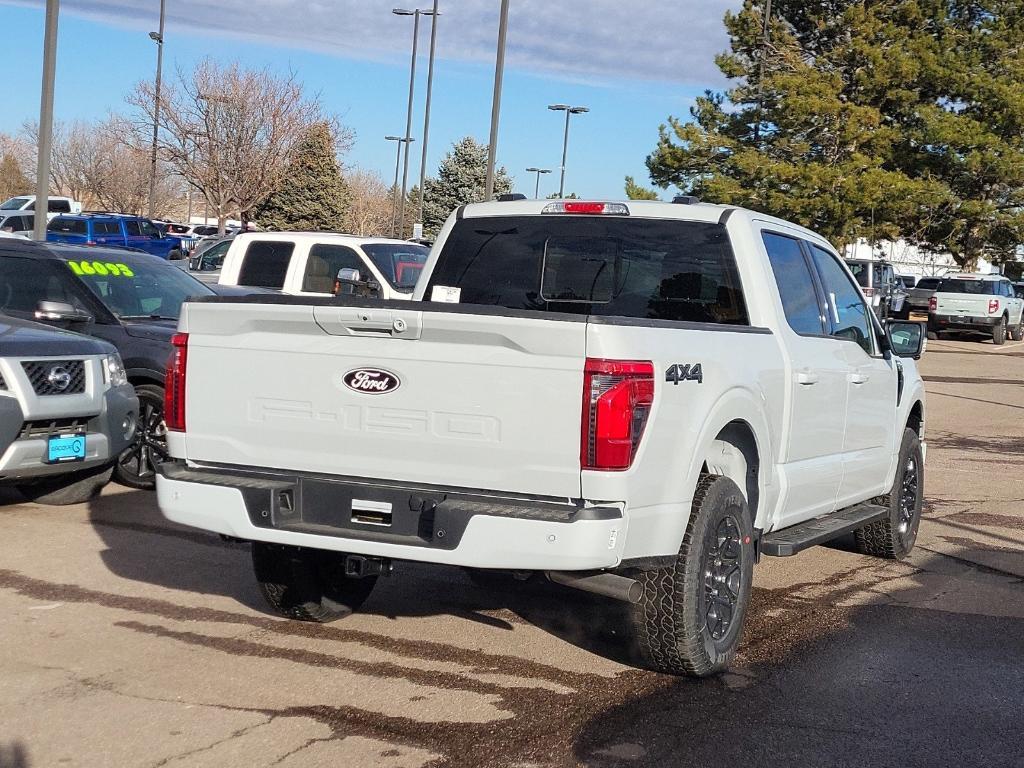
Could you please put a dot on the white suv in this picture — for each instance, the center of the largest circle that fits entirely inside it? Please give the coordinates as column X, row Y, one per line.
column 308, row 263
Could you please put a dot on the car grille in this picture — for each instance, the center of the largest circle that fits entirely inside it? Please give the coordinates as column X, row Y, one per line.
column 38, row 372
column 52, row 427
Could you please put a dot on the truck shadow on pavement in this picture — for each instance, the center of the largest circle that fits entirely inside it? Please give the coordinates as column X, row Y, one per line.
column 877, row 664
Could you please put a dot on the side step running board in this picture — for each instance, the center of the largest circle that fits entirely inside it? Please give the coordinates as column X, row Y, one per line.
column 789, row 541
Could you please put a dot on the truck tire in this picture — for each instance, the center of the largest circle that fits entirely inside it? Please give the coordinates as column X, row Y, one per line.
column 175, row 254
column 71, row 488
column 894, row 537
column 690, row 617
column 307, row 584
column 999, row 332
column 1017, row 331
column 136, row 466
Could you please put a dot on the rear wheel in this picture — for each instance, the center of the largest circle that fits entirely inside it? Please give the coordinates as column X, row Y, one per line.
column 999, row 332
column 71, row 488
column 894, row 536
column 175, row 254
column 136, row 466
column 691, row 614
column 1017, row 331
column 307, row 584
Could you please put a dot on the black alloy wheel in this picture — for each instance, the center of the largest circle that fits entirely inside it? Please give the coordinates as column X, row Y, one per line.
column 136, row 466
column 723, row 578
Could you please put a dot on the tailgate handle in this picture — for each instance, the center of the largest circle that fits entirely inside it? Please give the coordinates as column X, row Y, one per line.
column 378, row 323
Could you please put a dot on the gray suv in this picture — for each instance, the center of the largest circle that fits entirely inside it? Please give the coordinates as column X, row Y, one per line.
column 66, row 412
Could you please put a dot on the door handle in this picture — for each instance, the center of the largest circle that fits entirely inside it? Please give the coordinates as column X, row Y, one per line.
column 806, row 378
column 859, row 378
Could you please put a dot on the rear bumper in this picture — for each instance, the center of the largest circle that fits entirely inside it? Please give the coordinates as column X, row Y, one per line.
column 963, row 322
column 423, row 524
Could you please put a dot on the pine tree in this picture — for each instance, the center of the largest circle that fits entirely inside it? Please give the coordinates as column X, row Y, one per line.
column 901, row 117
column 460, row 179
column 635, row 192
column 12, row 180
column 313, row 195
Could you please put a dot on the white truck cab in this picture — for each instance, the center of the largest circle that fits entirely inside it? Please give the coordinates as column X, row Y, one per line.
column 307, row 263
column 55, row 205
column 637, row 399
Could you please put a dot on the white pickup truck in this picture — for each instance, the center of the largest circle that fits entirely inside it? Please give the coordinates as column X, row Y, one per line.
column 638, row 399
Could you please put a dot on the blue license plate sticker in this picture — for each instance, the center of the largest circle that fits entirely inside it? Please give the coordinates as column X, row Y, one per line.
column 65, row 448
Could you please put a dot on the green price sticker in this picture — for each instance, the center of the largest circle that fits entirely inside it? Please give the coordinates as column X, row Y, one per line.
column 103, row 268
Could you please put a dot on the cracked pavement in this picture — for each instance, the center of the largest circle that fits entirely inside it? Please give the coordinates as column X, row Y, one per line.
column 128, row 641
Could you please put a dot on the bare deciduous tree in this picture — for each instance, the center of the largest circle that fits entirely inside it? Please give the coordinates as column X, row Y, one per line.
column 227, row 131
column 371, row 204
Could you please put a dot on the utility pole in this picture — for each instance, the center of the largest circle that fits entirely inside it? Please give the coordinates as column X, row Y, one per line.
column 426, row 114
column 46, row 120
column 158, row 38
column 499, row 73
column 398, row 164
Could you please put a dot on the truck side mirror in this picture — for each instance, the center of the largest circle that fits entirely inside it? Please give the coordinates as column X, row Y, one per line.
column 61, row 312
column 906, row 339
column 350, row 282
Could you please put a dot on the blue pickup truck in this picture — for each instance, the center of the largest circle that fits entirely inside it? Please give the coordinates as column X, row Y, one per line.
column 115, row 231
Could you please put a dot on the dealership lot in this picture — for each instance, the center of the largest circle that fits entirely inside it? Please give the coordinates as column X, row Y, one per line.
column 129, row 641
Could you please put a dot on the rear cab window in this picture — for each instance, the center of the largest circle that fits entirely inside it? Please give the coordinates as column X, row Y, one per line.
column 265, row 263
column 64, row 226
column 966, row 285
column 657, row 269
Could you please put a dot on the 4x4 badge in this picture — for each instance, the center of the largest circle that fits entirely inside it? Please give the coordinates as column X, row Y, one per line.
column 685, row 372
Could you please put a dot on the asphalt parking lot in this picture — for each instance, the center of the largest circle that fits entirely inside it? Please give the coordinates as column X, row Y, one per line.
column 127, row 641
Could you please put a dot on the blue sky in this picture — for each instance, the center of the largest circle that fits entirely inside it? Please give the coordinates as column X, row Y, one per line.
column 631, row 68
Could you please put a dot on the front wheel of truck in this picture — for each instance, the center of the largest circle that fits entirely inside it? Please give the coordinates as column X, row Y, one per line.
column 307, row 584
column 894, row 536
column 690, row 617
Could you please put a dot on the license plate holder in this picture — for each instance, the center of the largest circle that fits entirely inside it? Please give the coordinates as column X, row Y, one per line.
column 65, row 448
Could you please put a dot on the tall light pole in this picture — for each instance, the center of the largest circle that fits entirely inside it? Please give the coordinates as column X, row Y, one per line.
column 46, row 120
column 565, row 142
column 412, row 86
column 536, row 187
column 398, row 163
column 499, row 73
column 434, row 13
column 158, row 38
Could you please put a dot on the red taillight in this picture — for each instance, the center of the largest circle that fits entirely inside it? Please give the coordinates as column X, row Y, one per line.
column 933, row 304
column 174, row 385
column 617, row 398
column 90, row 242
column 993, row 306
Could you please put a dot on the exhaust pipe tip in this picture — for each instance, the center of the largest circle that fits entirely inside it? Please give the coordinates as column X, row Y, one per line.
column 600, row 583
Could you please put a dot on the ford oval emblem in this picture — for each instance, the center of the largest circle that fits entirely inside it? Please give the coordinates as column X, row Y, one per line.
column 371, row 381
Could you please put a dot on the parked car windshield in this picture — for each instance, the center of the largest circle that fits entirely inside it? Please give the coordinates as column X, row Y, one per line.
column 978, row 287
column 862, row 271
column 135, row 287
column 400, row 264
column 14, row 204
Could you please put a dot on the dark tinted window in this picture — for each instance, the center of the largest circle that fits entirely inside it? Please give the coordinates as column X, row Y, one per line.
column 13, row 224
column 148, row 229
column 909, row 281
column 850, row 316
column 58, row 206
column 977, row 287
column 265, row 263
column 132, row 227
column 400, row 264
column 601, row 265
column 106, row 228
column 862, row 271
column 323, row 265
column 26, row 282
column 67, row 226
column 796, row 286
column 928, row 283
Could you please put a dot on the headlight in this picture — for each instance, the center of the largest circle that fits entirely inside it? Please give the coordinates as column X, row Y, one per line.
column 116, row 374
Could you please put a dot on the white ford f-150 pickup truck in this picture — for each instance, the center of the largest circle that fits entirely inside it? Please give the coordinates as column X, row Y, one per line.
column 638, row 399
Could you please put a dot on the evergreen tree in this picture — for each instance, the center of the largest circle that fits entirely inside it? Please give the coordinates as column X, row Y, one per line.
column 901, row 117
column 313, row 195
column 460, row 179
column 635, row 192
column 12, row 180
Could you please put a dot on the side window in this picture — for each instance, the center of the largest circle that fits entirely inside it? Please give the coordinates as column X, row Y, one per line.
column 132, row 228
column 58, row 206
column 147, row 229
column 26, row 282
column 796, row 285
column 12, row 224
column 323, row 265
column 265, row 263
column 850, row 316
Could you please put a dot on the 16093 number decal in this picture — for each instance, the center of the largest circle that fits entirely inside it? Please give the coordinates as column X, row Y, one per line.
column 104, row 268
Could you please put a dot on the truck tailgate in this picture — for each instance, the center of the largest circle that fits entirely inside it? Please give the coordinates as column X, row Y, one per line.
column 961, row 304
column 482, row 401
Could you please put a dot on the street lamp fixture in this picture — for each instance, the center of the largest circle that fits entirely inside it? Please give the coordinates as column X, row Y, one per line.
column 156, row 37
column 538, row 171
column 569, row 110
column 400, row 140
